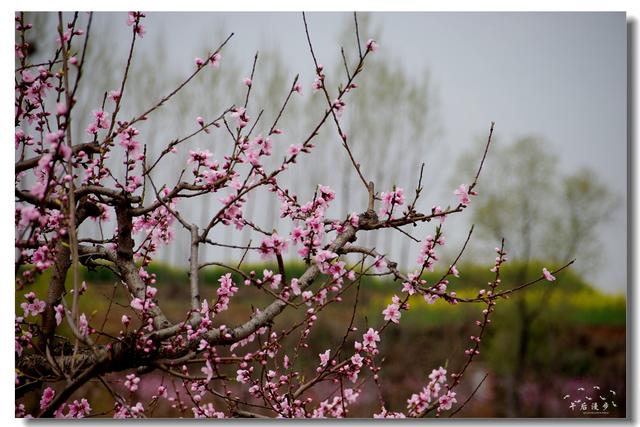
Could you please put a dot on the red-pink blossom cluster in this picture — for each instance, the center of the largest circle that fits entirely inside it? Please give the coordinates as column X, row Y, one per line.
column 216, row 367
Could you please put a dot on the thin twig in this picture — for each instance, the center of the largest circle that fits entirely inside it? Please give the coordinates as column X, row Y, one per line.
column 470, row 396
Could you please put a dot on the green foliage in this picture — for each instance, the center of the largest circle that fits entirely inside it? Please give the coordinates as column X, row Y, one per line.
column 573, row 299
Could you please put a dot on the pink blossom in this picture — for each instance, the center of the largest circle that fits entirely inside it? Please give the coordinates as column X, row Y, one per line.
column 409, row 288
column 437, row 210
column 134, row 19
column 38, row 190
column 243, row 376
column 306, row 297
column 132, row 382
column 240, row 114
column 326, row 194
column 23, row 138
column 54, row 138
column 324, row 358
column 19, row 54
column 430, row 298
column 64, row 150
column 101, row 121
column 33, row 305
column 357, row 360
column 339, row 106
column 370, row 338
column 453, row 270
column 79, row 409
column 215, row 60
column 447, row 400
column 233, row 212
column 438, row 375
column 324, row 256
column 392, row 313
column 199, row 62
column 42, row 257
column 337, row 270
column 388, row 414
column 372, row 46
column 247, row 81
column 297, row 234
column 294, row 149
column 27, row 77
column 462, row 194
column 47, row 396
column 61, row 109
column 114, row 95
column 134, row 411
column 273, row 279
column 207, row 370
column 428, row 255
column 92, row 129
column 380, row 264
column 298, row 88
column 126, row 140
column 59, row 309
column 162, row 391
column 140, row 30
column 137, row 304
column 317, row 84
column 133, row 182
column 390, row 200
column 226, row 290
column 200, row 157
column 253, row 157
column 28, row 215
column 206, row 411
column 131, row 18
column 548, row 275
column 295, row 288
column 83, row 325
column 273, row 245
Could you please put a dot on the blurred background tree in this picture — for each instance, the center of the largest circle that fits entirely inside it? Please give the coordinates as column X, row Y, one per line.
column 389, row 115
column 544, row 216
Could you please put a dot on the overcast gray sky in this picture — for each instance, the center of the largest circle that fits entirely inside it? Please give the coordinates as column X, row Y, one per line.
column 558, row 75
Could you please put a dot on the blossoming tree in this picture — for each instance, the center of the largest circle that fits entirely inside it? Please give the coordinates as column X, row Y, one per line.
column 208, row 369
